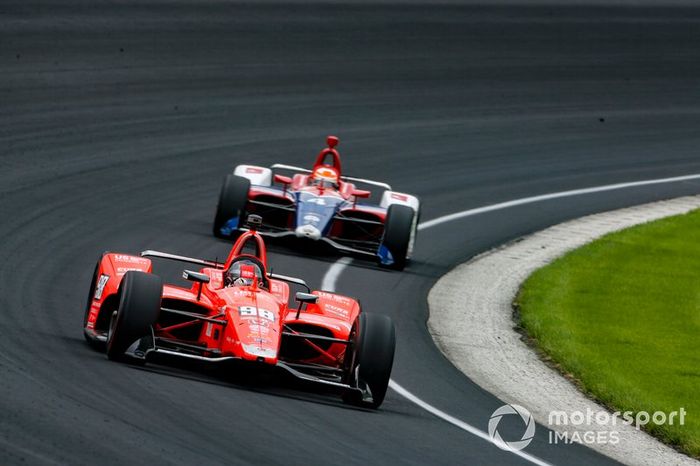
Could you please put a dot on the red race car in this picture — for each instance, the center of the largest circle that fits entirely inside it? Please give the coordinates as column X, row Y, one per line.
column 238, row 312
column 321, row 204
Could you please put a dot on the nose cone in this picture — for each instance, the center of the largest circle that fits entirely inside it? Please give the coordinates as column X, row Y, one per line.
column 258, row 351
column 308, row 231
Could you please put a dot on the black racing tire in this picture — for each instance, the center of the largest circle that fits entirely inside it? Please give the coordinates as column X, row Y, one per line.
column 232, row 201
column 374, row 342
column 140, row 295
column 398, row 229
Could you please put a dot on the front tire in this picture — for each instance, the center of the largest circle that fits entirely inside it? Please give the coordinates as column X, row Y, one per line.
column 232, row 202
column 369, row 368
column 139, row 307
column 398, row 231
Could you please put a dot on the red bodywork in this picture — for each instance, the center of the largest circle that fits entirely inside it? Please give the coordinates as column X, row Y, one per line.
column 211, row 321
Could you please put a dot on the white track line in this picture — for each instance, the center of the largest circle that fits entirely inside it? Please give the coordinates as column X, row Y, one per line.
column 546, row 197
column 456, row 422
column 331, row 278
column 334, row 271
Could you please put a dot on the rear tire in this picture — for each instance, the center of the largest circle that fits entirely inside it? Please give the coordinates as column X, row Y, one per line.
column 374, row 342
column 398, row 229
column 139, row 307
column 232, row 202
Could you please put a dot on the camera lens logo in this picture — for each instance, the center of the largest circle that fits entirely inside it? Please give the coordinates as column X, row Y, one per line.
column 506, row 410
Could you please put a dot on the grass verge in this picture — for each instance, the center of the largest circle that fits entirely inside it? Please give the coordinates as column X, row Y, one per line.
column 621, row 316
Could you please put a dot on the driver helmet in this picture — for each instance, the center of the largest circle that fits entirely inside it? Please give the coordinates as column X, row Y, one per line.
column 243, row 273
column 325, row 176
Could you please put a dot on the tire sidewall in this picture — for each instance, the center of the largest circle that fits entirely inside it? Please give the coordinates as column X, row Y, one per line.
column 233, row 198
column 399, row 232
column 374, row 348
column 140, row 294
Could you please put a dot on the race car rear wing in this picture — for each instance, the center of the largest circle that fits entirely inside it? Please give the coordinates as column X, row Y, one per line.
column 285, row 278
column 218, row 265
column 175, row 257
column 344, row 178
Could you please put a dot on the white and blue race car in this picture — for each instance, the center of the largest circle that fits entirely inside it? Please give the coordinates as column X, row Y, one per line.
column 320, row 204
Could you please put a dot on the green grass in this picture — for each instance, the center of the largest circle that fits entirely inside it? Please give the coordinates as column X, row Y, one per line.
column 621, row 316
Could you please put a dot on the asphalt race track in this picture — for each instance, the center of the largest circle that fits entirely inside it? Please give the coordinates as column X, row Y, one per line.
column 119, row 118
